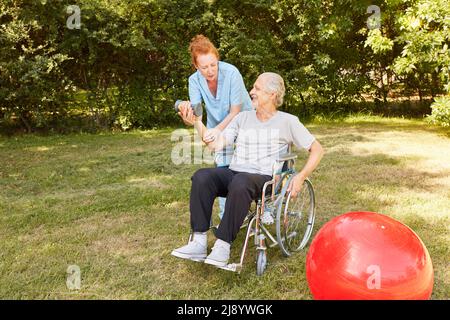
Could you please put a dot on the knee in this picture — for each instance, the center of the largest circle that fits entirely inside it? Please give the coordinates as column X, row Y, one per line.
column 240, row 185
column 201, row 176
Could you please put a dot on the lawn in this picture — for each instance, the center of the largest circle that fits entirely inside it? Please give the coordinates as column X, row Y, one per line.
column 115, row 205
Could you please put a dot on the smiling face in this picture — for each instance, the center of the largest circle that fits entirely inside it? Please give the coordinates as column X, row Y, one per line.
column 259, row 95
column 208, row 65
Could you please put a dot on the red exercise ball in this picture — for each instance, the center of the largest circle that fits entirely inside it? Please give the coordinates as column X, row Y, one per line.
column 367, row 255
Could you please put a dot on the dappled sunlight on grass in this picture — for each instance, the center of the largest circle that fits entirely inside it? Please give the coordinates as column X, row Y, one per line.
column 154, row 182
column 116, row 205
column 175, row 205
column 396, row 143
column 39, row 149
column 364, row 118
column 405, row 202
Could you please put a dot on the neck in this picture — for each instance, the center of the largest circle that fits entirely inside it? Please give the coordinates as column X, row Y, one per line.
column 265, row 112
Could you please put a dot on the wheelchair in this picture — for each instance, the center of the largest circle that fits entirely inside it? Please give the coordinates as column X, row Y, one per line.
column 292, row 219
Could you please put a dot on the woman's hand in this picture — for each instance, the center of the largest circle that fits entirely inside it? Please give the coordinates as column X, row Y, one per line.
column 186, row 113
column 295, row 186
column 211, row 135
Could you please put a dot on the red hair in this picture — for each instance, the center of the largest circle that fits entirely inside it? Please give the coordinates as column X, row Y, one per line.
column 201, row 45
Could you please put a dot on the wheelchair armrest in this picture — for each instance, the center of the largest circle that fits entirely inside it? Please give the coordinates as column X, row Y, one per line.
column 286, row 157
column 280, row 164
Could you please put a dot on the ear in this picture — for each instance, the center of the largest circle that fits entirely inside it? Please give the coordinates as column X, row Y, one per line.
column 273, row 96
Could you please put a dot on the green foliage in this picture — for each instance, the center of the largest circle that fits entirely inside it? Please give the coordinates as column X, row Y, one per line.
column 378, row 43
column 425, row 37
column 33, row 86
column 440, row 114
column 129, row 62
column 305, row 41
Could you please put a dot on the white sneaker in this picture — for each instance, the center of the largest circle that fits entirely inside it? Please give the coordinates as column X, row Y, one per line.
column 267, row 217
column 220, row 254
column 195, row 250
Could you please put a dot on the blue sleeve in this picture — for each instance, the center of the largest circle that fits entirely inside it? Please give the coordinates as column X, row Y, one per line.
column 195, row 95
column 237, row 89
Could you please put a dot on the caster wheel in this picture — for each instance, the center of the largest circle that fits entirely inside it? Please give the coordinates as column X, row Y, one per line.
column 261, row 262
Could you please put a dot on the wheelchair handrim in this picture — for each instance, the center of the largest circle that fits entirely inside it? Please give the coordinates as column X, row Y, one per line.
column 283, row 235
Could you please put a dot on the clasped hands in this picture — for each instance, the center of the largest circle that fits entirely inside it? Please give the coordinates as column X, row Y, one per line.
column 187, row 115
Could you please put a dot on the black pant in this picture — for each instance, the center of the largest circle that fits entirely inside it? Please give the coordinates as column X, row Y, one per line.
column 240, row 188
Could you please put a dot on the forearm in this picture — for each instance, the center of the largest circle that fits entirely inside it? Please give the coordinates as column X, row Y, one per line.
column 234, row 110
column 200, row 127
column 217, row 144
column 316, row 154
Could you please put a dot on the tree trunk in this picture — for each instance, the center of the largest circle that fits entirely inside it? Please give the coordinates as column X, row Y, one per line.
column 23, row 118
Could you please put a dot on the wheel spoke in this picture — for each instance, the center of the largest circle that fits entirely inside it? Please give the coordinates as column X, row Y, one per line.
column 295, row 225
column 294, row 220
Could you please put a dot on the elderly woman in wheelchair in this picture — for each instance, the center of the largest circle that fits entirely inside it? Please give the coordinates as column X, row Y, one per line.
column 262, row 171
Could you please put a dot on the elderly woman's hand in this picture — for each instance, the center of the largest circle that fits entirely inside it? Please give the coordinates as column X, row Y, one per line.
column 211, row 135
column 295, row 186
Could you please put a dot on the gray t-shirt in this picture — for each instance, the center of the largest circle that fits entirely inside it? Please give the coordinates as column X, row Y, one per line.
column 259, row 144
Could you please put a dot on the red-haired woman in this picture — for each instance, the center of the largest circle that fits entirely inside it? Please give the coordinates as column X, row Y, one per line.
column 219, row 85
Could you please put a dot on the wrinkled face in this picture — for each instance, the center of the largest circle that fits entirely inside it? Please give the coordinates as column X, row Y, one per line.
column 208, row 65
column 260, row 97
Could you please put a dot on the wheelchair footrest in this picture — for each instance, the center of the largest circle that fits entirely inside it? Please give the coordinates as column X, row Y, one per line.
column 235, row 267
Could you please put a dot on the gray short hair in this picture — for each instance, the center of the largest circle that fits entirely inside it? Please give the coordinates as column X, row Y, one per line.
column 275, row 83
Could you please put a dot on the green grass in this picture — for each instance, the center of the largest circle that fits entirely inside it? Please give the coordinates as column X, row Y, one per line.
column 115, row 205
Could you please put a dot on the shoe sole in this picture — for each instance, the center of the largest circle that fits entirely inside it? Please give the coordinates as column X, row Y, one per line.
column 216, row 263
column 199, row 258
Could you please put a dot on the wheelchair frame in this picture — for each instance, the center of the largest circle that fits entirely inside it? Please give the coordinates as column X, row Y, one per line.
column 275, row 202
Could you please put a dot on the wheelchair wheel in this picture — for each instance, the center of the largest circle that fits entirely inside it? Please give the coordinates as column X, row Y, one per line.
column 295, row 219
column 261, row 262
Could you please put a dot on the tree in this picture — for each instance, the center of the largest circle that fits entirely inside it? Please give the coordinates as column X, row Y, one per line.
column 33, row 87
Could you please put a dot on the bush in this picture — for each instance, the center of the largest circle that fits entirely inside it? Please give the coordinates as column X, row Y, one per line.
column 440, row 113
column 129, row 61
